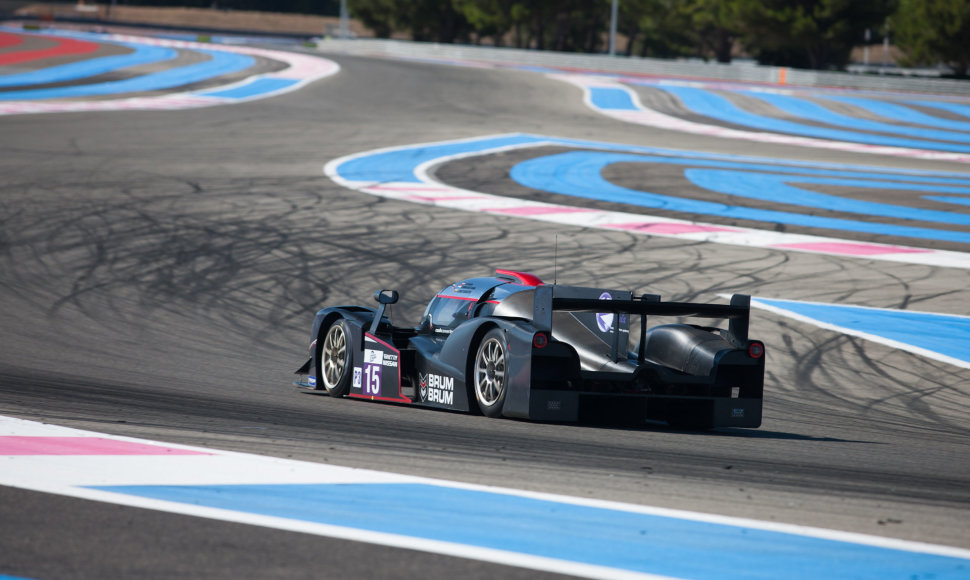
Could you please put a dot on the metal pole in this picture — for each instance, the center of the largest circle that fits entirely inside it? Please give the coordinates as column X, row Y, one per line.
column 344, row 20
column 885, row 49
column 613, row 11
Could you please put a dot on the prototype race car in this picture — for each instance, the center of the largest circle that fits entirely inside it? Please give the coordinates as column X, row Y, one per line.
column 510, row 345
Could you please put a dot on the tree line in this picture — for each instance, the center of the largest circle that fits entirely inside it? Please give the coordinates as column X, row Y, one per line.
column 813, row 34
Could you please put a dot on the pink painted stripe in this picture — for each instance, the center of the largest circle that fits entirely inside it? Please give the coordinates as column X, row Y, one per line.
column 852, row 249
column 669, row 228
column 22, row 445
column 62, row 47
column 409, row 188
column 434, row 200
column 539, row 210
column 7, row 39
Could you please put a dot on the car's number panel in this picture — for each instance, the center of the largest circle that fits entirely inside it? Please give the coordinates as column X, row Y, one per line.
column 377, row 373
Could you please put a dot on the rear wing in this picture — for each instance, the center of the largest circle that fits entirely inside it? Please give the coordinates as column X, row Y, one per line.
column 737, row 312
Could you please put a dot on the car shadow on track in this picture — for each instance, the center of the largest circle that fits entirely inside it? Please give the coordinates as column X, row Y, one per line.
column 716, row 432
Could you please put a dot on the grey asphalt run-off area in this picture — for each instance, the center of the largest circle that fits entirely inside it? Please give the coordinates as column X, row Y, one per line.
column 159, row 272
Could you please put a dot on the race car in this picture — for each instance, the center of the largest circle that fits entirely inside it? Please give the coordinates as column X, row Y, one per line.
column 509, row 345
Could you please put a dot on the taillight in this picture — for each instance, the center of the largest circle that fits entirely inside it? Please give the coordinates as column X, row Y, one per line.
column 756, row 349
column 540, row 340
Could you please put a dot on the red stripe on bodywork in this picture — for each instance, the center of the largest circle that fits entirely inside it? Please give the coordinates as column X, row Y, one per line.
column 468, row 298
column 64, row 47
column 22, row 445
column 523, row 278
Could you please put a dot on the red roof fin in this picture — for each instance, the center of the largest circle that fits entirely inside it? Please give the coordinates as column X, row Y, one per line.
column 524, row 278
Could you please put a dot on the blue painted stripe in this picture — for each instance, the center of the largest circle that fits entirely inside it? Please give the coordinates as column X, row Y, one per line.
column 612, row 99
column 142, row 54
column 898, row 112
column 777, row 187
column 717, row 107
column 944, row 334
column 400, row 164
column 792, row 165
column 604, row 537
column 579, row 174
column 815, row 112
column 957, row 108
column 220, row 63
column 948, row 199
column 254, row 87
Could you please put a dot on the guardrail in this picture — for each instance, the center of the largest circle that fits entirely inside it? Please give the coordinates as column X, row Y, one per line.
column 647, row 66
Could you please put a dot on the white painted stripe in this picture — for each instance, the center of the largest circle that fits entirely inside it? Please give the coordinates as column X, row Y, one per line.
column 65, row 475
column 651, row 118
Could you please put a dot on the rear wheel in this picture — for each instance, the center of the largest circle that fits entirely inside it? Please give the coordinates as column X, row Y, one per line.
column 491, row 373
column 333, row 363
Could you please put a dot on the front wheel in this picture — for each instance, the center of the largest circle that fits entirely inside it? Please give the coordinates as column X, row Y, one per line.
column 491, row 373
column 333, row 362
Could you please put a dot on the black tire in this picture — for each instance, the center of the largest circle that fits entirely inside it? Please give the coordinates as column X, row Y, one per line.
column 333, row 360
column 490, row 373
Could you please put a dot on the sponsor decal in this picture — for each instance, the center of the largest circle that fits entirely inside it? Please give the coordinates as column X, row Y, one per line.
column 605, row 320
column 423, row 386
column 465, row 287
column 311, row 380
column 553, row 405
column 434, row 388
column 737, row 413
column 357, row 376
column 372, row 379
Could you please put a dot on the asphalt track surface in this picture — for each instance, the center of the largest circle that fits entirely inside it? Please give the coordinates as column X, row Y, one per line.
column 159, row 271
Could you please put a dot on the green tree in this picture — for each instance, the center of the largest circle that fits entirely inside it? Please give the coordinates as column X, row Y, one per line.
column 817, row 34
column 712, row 26
column 424, row 20
column 655, row 28
column 933, row 31
column 436, row 21
column 380, row 16
column 487, row 18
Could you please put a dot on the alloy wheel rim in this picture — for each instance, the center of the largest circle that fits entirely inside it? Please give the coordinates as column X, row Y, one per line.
column 334, row 356
column 490, row 372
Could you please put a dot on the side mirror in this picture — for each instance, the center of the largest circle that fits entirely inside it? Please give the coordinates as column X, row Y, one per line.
column 386, row 296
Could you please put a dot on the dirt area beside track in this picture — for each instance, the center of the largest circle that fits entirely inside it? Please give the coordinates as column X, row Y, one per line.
column 182, row 18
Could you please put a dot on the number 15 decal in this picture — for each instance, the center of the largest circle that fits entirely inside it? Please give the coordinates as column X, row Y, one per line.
column 372, row 379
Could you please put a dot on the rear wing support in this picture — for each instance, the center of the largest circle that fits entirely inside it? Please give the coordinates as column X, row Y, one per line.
column 737, row 312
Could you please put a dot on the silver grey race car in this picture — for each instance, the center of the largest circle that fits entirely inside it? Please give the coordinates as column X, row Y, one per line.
column 510, row 345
